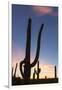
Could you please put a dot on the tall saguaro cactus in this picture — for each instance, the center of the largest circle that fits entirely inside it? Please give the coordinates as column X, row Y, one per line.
column 27, row 65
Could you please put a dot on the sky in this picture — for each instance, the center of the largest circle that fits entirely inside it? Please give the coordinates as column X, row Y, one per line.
column 49, row 39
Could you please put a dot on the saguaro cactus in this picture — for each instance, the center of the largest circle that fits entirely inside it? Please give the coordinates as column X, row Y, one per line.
column 36, row 72
column 27, row 65
column 55, row 72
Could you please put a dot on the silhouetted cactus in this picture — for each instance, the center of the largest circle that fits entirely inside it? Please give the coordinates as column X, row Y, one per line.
column 45, row 77
column 26, row 61
column 27, row 66
column 36, row 72
column 55, row 72
column 12, row 71
column 15, row 70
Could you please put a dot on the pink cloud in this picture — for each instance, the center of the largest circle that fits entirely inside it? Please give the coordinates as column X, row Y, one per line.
column 44, row 10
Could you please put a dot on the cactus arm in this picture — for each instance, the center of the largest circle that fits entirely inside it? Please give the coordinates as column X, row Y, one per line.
column 15, row 69
column 38, row 47
column 21, row 64
column 12, row 71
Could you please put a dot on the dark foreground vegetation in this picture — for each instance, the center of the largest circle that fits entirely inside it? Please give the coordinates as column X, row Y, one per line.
column 18, row 81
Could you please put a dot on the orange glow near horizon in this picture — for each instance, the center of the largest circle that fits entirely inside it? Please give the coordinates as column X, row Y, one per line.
column 47, row 71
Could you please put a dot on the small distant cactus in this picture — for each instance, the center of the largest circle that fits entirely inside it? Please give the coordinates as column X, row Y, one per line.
column 45, row 77
column 15, row 70
column 36, row 72
column 55, row 72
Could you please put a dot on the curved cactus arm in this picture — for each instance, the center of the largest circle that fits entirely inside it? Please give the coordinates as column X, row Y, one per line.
column 21, row 64
column 15, row 70
column 38, row 47
column 12, row 71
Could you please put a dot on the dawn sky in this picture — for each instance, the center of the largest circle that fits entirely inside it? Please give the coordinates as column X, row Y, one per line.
column 49, row 39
